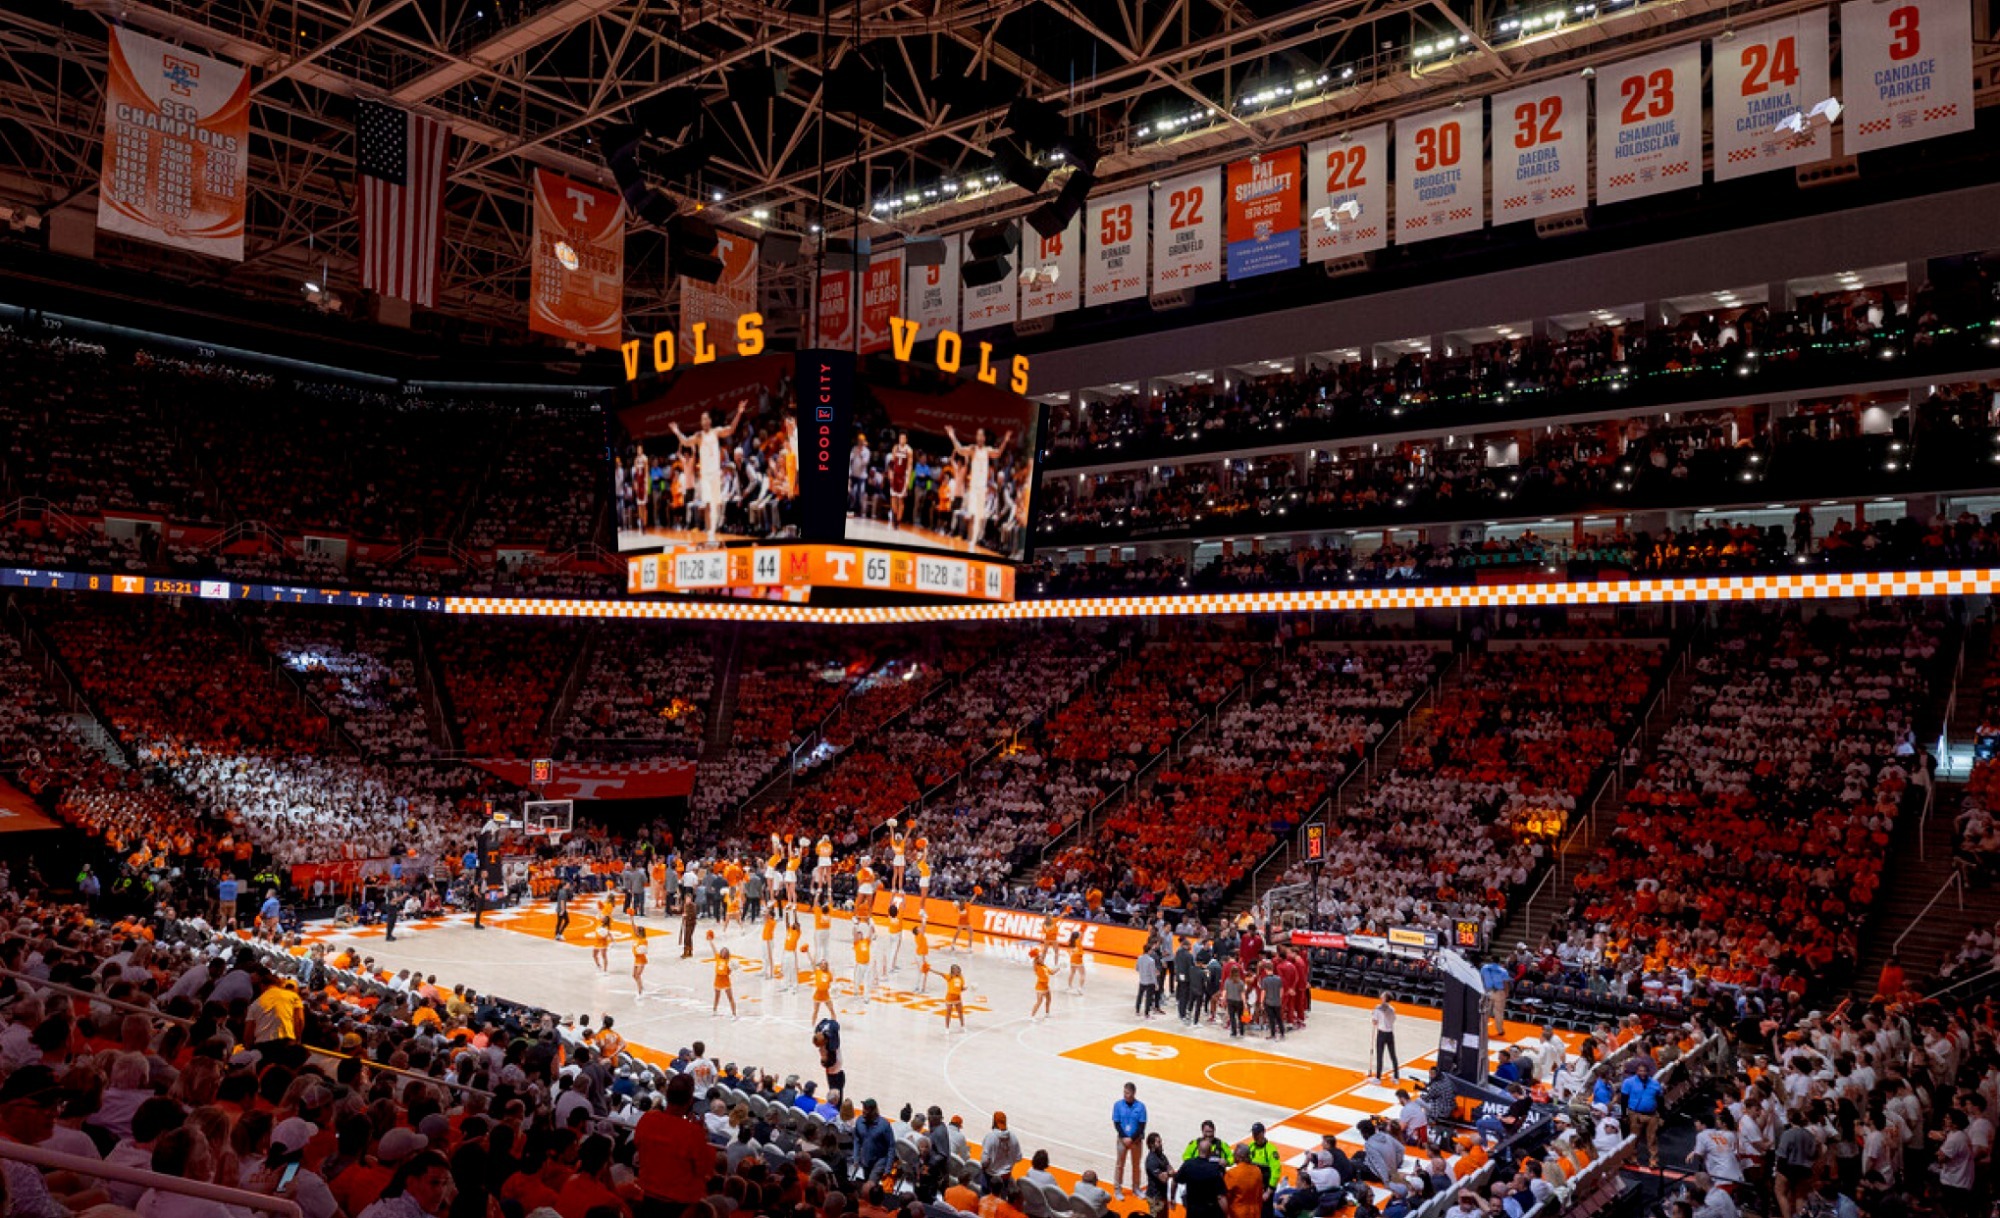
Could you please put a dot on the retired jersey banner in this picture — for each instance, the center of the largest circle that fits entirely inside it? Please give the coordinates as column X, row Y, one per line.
column 1905, row 71
column 932, row 292
column 720, row 303
column 1649, row 125
column 576, row 279
column 881, row 299
column 1344, row 177
column 996, row 304
column 1541, row 150
column 176, row 147
column 1762, row 77
column 833, row 311
column 1115, row 261
column 1187, row 231
column 1440, row 173
column 1056, row 262
column 1263, row 226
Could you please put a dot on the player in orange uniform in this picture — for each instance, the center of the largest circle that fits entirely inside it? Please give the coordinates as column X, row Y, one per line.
column 720, row 957
column 1044, row 999
column 954, row 998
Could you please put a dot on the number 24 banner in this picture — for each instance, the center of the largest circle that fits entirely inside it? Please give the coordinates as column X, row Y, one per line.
column 1649, row 125
column 1763, row 77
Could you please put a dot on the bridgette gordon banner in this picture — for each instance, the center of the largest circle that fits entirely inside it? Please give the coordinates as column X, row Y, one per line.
column 1541, row 150
column 1263, row 222
column 1763, row 76
column 1187, row 231
column 1649, row 125
column 176, row 147
column 1906, row 71
column 576, row 279
column 932, row 292
column 1440, row 173
column 1343, row 174
column 1115, row 262
column 728, row 298
column 881, row 299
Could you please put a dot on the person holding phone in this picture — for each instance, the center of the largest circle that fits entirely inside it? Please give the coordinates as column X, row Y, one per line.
column 284, row 1173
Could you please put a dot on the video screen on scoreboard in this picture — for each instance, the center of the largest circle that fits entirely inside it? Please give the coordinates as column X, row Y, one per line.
column 940, row 462
column 710, row 454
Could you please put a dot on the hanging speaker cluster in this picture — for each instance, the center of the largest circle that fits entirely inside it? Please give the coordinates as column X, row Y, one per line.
column 692, row 247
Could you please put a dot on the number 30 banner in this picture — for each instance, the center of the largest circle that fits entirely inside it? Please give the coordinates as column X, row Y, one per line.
column 1440, row 180
column 1763, row 76
column 1338, row 172
column 1541, row 146
column 1649, row 125
column 1906, row 71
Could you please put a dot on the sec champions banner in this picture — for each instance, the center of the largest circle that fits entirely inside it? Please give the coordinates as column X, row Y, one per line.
column 1761, row 77
column 881, row 299
column 1649, row 125
column 1342, row 172
column 1906, row 71
column 176, row 147
column 1115, row 263
column 576, row 279
column 1440, row 182
column 1263, row 224
column 1058, row 254
column 1187, row 231
column 932, row 292
column 1541, row 147
column 728, row 298
column 833, row 311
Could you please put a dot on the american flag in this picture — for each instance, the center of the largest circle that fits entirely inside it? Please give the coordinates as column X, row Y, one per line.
column 400, row 196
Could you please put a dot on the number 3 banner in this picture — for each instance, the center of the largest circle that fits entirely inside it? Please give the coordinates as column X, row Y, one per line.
column 1540, row 149
column 1116, row 262
column 1763, row 76
column 1906, row 71
column 1339, row 172
column 1187, row 232
column 1440, row 180
column 1649, row 125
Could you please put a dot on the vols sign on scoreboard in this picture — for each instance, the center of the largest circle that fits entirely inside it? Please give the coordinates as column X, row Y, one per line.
column 1541, row 145
column 1264, row 213
column 1054, row 261
column 881, row 299
column 1764, row 76
column 1440, row 177
column 818, row 566
column 176, row 146
column 1352, row 170
column 1906, row 71
column 1115, row 227
column 1187, row 231
column 576, row 278
column 1649, row 125
column 932, row 292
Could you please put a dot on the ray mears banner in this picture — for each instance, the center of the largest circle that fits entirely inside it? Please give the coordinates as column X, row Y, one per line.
column 825, row 383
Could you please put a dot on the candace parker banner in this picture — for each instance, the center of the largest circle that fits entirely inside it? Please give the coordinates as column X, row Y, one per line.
column 176, row 147
column 728, row 298
column 576, row 280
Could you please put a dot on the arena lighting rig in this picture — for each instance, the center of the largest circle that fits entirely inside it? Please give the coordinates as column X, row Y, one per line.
column 1971, row 581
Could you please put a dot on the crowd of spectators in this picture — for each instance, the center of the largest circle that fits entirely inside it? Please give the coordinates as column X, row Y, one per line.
column 647, row 690
column 500, row 677
column 361, row 670
column 546, row 482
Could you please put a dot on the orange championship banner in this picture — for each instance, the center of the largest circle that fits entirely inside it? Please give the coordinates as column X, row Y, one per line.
column 818, row 566
column 991, row 920
column 176, row 147
column 577, row 274
column 728, row 298
column 1261, row 225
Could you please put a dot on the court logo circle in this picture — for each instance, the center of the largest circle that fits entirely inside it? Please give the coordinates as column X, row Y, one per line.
column 1145, row 1050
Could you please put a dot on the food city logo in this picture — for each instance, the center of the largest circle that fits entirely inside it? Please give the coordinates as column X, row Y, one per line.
column 947, row 352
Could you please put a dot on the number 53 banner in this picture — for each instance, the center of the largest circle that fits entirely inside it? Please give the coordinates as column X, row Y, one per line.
column 1540, row 148
column 1649, row 125
column 1116, row 262
column 1763, row 76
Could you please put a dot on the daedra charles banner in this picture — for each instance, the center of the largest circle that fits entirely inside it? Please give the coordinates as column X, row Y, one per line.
column 1763, row 76
column 1541, row 145
column 722, row 302
column 833, row 312
column 1115, row 226
column 1341, row 172
column 1187, row 231
column 1125, row 941
column 1263, row 224
column 1906, row 71
column 881, row 299
column 654, row 779
column 176, row 147
column 1649, row 125
column 933, row 292
column 1440, row 180
column 1055, row 261
column 577, row 275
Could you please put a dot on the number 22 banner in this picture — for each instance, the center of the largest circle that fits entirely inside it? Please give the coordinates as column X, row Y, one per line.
column 1541, row 146
column 1906, row 71
column 1649, row 125
column 1764, row 76
column 1187, row 231
column 1440, row 180
column 1342, row 172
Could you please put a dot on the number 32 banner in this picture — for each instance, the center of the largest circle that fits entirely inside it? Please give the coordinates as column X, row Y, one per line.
column 1906, row 71
column 1540, row 148
column 1649, row 125
column 1340, row 172
column 1763, row 76
column 1440, row 182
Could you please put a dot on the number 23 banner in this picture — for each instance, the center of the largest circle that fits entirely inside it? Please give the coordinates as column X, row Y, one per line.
column 1649, row 125
column 1440, row 180
column 1339, row 172
column 1763, row 76
column 1906, row 71
column 1541, row 145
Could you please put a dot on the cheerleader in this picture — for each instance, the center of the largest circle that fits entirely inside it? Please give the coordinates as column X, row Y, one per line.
column 895, row 936
column 774, row 869
column 600, row 951
column 823, row 932
column 923, row 851
column 639, row 961
column 732, row 907
column 823, row 869
column 822, row 980
column 720, row 957
column 770, row 936
column 863, row 951
column 792, row 946
column 897, row 859
column 1044, row 998
column 792, row 872
column 864, row 888
column 954, row 998
column 922, row 944
column 963, row 928
column 1075, row 983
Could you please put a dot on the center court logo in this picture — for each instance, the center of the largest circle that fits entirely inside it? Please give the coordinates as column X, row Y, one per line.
column 1145, row 1050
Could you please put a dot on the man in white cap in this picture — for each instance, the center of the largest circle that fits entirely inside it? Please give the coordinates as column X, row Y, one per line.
column 307, row 1187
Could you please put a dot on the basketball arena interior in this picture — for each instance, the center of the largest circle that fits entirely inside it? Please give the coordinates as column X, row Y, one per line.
column 999, row 608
